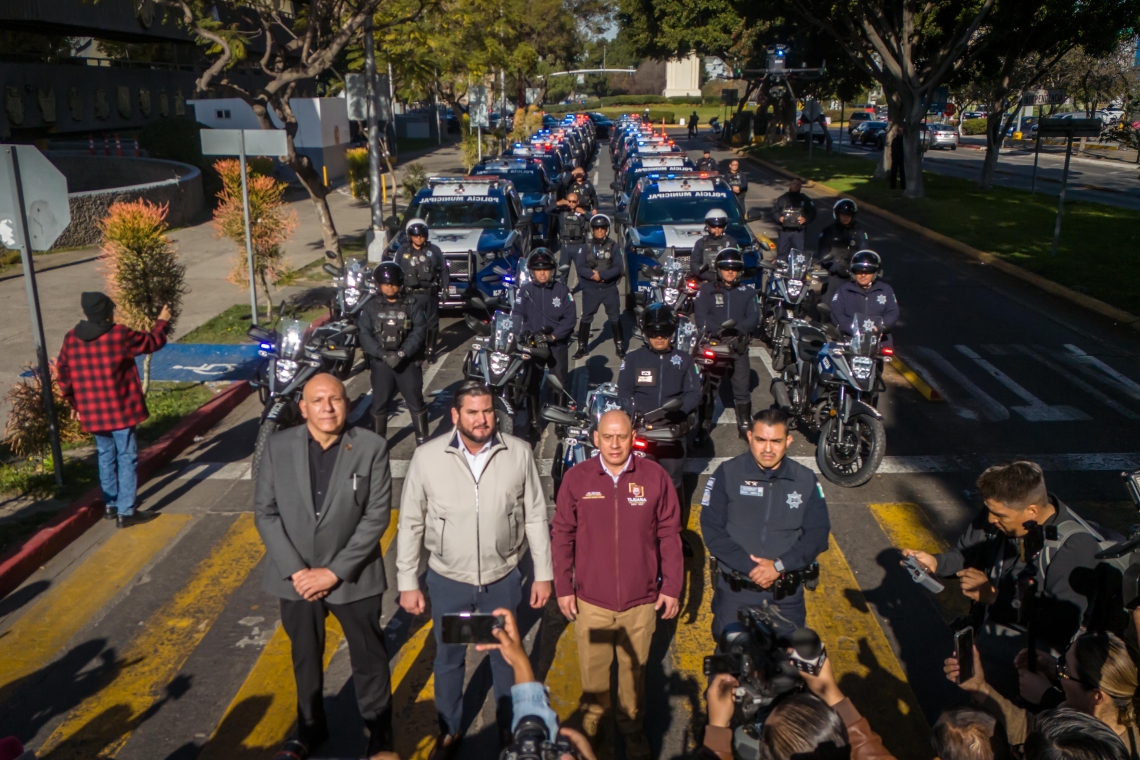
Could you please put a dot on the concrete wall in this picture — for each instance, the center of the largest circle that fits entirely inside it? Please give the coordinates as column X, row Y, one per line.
column 95, row 182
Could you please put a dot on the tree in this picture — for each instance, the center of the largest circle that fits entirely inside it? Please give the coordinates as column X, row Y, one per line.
column 296, row 49
column 141, row 267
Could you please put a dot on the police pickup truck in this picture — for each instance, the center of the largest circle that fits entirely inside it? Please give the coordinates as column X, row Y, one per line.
column 642, row 166
column 533, row 186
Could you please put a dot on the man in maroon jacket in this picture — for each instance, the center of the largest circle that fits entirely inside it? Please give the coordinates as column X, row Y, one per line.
column 617, row 530
column 97, row 374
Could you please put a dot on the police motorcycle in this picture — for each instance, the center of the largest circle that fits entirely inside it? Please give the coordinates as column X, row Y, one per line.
column 296, row 352
column 830, row 386
column 671, row 283
column 715, row 354
column 354, row 288
column 786, row 293
column 574, row 427
column 502, row 360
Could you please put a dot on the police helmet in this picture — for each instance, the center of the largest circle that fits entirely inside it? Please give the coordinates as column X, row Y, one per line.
column 599, row 222
column 716, row 218
column 389, row 273
column 540, row 258
column 844, row 206
column 730, row 258
column 866, row 262
column 658, row 321
column 416, row 226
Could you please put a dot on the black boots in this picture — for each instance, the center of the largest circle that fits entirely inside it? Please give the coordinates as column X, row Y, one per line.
column 420, row 425
column 583, row 341
column 743, row 418
column 619, row 339
column 380, row 425
column 429, row 343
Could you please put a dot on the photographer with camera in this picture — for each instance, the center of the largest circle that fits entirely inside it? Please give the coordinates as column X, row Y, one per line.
column 793, row 211
column 1018, row 561
column 764, row 520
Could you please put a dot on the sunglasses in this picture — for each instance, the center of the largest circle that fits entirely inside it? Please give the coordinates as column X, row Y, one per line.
column 1063, row 672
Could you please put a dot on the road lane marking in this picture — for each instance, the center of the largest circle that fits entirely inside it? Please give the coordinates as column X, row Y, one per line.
column 928, row 391
column 1130, row 385
column 262, row 713
column 1037, row 410
column 102, row 724
column 1089, row 390
column 41, row 632
column 761, row 353
column 986, row 404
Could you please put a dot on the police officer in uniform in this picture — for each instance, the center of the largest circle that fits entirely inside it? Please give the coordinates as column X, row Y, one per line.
column 577, row 183
column 545, row 308
column 703, row 258
column 572, row 226
column 706, row 163
column 425, row 276
column 765, row 520
column 392, row 328
column 792, row 211
column 865, row 294
column 737, row 180
column 600, row 266
column 716, row 303
column 838, row 241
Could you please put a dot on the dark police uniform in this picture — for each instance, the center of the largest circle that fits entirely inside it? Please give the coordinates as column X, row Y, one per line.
column 704, row 255
column 791, row 234
column 573, row 229
column 388, row 328
column 876, row 301
column 425, row 276
column 707, row 164
column 775, row 514
column 651, row 379
column 738, row 179
column 604, row 258
column 837, row 244
column 587, row 195
column 538, row 307
column 716, row 304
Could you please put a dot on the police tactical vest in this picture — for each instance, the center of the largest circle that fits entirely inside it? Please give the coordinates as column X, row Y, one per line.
column 598, row 255
column 574, row 227
column 394, row 321
column 418, row 266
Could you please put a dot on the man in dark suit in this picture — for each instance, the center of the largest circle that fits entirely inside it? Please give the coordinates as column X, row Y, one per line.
column 322, row 503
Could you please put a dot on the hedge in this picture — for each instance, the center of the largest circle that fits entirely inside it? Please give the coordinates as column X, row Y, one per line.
column 656, row 115
column 974, row 126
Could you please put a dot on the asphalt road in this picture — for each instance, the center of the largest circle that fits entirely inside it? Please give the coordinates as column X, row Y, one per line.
column 99, row 645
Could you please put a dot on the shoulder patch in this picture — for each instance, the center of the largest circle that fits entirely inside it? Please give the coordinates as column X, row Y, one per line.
column 708, row 491
column 819, row 489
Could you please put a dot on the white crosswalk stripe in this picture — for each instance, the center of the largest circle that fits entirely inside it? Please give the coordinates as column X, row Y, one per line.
column 1036, row 409
column 1039, row 354
column 977, row 402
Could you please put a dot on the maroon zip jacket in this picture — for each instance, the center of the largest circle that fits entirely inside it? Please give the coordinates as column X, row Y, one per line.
column 611, row 543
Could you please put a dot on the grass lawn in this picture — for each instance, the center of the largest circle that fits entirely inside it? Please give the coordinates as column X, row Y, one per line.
column 1097, row 255
column 231, row 325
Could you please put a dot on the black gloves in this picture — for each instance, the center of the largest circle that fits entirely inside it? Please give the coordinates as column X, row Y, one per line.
column 393, row 360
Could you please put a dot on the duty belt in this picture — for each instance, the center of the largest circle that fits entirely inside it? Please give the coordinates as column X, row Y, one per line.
column 428, row 289
column 784, row 586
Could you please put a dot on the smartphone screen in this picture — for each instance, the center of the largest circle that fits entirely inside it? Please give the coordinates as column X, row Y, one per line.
column 964, row 649
column 469, row 628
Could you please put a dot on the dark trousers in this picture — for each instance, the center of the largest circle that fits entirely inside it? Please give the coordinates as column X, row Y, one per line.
column 898, row 174
column 304, row 622
column 409, row 378
column 741, row 379
column 671, row 457
column 726, row 603
column 605, row 295
column 429, row 302
column 566, row 249
column 788, row 240
column 559, row 366
column 448, row 596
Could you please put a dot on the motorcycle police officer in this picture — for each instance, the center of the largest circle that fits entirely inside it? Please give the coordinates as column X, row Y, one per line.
column 728, row 298
column 545, row 307
column 838, row 241
column 703, row 257
column 425, row 276
column 793, row 211
column 865, row 294
column 764, row 519
column 392, row 328
column 600, row 266
column 572, row 226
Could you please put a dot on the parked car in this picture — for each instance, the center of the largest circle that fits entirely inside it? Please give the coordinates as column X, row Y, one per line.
column 856, row 118
column 943, row 136
column 817, row 131
column 973, row 115
column 869, row 133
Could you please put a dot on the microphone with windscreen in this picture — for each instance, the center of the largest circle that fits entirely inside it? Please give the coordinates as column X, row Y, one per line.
column 808, row 652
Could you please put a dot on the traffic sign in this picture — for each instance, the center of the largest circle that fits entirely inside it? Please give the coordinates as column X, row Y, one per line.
column 251, row 142
column 45, row 199
column 477, row 106
column 950, row 109
column 812, row 110
column 356, row 90
column 1054, row 127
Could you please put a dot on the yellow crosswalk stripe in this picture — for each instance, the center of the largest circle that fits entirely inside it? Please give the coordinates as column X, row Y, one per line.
column 262, row 713
column 413, row 695
column 102, row 724
column 907, row 527
column 41, row 632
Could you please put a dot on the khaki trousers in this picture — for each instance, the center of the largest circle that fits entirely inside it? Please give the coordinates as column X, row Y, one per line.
column 600, row 632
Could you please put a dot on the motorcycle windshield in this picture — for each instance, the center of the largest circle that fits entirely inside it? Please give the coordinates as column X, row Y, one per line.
column 291, row 343
column 798, row 264
column 605, row 399
column 502, row 333
column 865, row 334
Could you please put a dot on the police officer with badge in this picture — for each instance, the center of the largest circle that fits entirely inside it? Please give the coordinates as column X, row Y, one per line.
column 545, row 308
column 392, row 328
column 716, row 303
column 838, row 241
column 703, row 258
column 577, row 183
column 425, row 276
column 793, row 211
column 764, row 519
column 865, row 294
column 572, row 225
column 600, row 266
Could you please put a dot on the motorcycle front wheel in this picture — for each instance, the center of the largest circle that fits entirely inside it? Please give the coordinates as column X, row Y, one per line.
column 504, row 420
column 852, row 461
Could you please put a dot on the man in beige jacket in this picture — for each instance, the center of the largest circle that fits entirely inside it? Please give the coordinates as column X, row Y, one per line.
column 473, row 501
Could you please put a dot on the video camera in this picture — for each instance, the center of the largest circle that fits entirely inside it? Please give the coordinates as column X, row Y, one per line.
column 531, row 741
column 1120, row 566
column 791, row 218
column 755, row 652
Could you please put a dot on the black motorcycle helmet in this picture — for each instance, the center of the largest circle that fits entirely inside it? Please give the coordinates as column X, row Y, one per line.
column 844, row 206
column 658, row 321
column 389, row 273
column 540, row 258
column 866, row 262
column 599, row 222
column 730, row 258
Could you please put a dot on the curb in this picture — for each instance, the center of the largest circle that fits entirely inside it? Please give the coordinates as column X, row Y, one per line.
column 22, row 561
column 1088, row 302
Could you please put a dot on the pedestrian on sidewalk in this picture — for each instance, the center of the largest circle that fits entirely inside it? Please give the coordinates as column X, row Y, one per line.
column 694, row 121
column 617, row 562
column 97, row 375
column 474, row 501
column 322, row 502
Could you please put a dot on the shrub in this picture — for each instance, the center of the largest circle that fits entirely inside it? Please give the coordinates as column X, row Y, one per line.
column 974, row 126
column 271, row 224
column 656, row 116
column 27, row 426
column 470, row 146
column 141, row 267
column 356, row 166
column 415, row 179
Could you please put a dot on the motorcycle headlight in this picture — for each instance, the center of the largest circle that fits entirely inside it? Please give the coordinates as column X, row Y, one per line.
column 286, row 369
column 861, row 367
column 670, row 296
column 795, row 287
column 291, row 344
column 499, row 362
column 351, row 297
